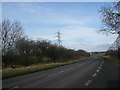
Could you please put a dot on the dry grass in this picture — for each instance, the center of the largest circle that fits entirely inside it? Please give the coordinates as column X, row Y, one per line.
column 11, row 72
column 111, row 59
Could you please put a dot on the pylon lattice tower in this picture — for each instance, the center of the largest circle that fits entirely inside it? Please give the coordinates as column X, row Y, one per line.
column 58, row 38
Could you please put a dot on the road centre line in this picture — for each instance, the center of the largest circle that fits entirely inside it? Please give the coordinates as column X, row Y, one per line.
column 94, row 74
column 98, row 70
column 99, row 67
column 88, row 82
column 101, row 63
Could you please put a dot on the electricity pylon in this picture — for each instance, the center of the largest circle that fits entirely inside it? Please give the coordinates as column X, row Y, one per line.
column 58, row 38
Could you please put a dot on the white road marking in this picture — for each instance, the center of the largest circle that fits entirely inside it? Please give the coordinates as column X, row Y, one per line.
column 52, row 75
column 88, row 82
column 94, row 74
column 14, row 87
column 97, row 70
column 59, row 72
column 101, row 64
column 68, row 69
column 99, row 67
column 79, row 65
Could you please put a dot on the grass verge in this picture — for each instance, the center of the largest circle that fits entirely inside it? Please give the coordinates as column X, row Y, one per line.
column 10, row 72
column 111, row 59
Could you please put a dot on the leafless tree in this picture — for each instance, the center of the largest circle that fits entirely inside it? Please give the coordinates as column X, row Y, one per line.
column 111, row 18
column 10, row 32
column 111, row 21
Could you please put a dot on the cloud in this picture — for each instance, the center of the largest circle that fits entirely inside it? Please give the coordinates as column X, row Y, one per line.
column 30, row 7
column 30, row 10
column 75, row 23
column 102, row 46
column 46, row 14
column 84, row 34
column 78, row 37
column 52, row 18
column 75, row 45
column 86, row 38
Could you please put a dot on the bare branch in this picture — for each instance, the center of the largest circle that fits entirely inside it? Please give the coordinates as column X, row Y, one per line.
column 11, row 31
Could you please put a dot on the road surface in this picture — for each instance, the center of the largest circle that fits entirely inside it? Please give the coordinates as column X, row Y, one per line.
column 92, row 73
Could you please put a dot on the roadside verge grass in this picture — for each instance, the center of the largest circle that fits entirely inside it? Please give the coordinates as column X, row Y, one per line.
column 12, row 72
column 111, row 59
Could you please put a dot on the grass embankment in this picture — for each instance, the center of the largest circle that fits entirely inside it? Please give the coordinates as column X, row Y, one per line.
column 11, row 72
column 111, row 59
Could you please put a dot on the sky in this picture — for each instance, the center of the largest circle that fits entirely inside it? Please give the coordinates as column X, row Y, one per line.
column 78, row 22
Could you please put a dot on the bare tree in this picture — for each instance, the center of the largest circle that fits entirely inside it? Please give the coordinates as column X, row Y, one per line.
column 111, row 18
column 10, row 32
column 111, row 21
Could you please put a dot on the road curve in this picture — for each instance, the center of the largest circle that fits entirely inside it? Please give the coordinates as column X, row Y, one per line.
column 94, row 72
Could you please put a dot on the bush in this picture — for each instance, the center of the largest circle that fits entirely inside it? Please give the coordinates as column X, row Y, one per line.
column 113, row 53
column 45, row 59
column 29, row 52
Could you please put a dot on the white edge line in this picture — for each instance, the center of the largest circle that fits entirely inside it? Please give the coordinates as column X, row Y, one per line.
column 59, row 72
column 14, row 87
column 51, row 75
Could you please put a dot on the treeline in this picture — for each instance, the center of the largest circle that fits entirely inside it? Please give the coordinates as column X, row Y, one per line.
column 20, row 50
column 29, row 52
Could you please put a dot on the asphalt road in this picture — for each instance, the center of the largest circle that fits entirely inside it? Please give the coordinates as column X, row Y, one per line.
column 92, row 73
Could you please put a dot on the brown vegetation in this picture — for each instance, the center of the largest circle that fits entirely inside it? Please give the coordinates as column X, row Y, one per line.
column 18, row 50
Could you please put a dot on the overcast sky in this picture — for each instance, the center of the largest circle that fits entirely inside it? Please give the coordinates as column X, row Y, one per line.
column 78, row 22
